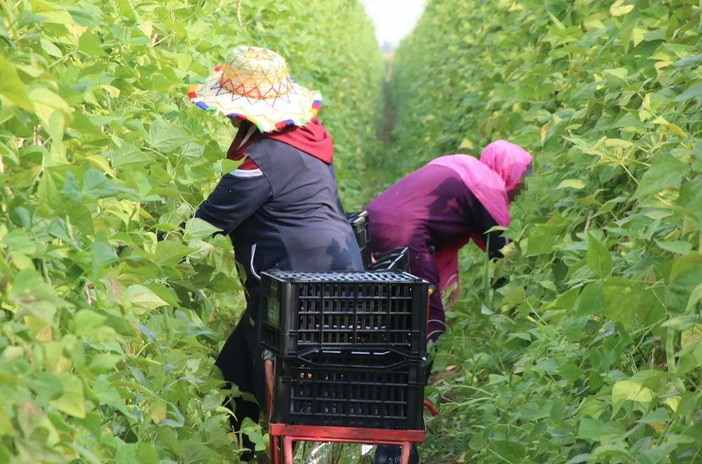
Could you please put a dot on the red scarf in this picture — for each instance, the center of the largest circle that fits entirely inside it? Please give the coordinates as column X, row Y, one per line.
column 311, row 138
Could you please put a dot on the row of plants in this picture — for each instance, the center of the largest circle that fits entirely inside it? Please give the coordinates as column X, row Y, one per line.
column 584, row 344
column 107, row 336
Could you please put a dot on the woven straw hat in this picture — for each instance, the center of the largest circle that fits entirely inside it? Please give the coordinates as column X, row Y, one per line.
column 253, row 84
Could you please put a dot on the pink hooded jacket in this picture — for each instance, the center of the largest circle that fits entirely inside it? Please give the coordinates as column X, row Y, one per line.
column 501, row 168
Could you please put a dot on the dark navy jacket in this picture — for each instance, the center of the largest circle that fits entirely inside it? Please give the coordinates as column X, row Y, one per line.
column 286, row 214
column 281, row 209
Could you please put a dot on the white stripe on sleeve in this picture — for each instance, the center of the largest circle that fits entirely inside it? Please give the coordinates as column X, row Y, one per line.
column 246, row 173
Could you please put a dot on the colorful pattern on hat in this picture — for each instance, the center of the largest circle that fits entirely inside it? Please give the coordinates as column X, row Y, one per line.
column 253, row 84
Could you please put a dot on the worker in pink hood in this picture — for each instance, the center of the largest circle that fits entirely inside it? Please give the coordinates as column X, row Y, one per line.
column 439, row 208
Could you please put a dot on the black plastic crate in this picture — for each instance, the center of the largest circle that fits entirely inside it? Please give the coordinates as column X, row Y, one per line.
column 331, row 310
column 350, row 389
column 393, row 260
column 361, row 229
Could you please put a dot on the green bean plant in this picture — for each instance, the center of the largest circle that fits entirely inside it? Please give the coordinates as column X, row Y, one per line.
column 584, row 344
column 108, row 336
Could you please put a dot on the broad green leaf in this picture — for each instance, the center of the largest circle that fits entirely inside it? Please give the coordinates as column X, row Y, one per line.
column 591, row 300
column 35, row 295
column 4, row 34
column 158, row 411
column 12, row 87
column 127, row 453
column 51, row 49
column 579, row 459
column 599, row 259
column 675, row 129
column 51, row 13
column 18, row 240
column 147, row 454
column 631, row 391
column 515, row 296
column 21, row 216
column 665, row 172
column 197, row 228
column 72, row 402
column 570, row 371
column 627, row 301
column 509, row 450
column 672, row 402
column 572, row 183
column 47, row 386
column 620, row 8
column 694, row 91
column 691, row 61
column 102, row 362
column 87, row 320
column 658, row 415
column 619, row 73
column 638, row 35
column 230, row 165
column 169, row 253
column 89, row 44
column 46, row 103
column 690, row 199
column 103, row 254
column 685, row 277
column 102, row 164
column 32, row 418
column 128, row 154
column 71, row 188
column 192, row 151
column 167, row 137
column 695, row 297
column 691, row 335
column 82, row 123
column 128, row 10
column 143, row 299
column 541, row 241
column 689, row 358
column 629, row 122
column 163, row 292
column 78, row 215
column 96, row 185
column 615, row 142
column 590, row 429
column 6, row 427
column 677, row 246
column 696, row 155
column 680, row 323
column 108, row 395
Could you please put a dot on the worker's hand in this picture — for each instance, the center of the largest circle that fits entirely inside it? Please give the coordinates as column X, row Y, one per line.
column 161, row 235
column 433, row 289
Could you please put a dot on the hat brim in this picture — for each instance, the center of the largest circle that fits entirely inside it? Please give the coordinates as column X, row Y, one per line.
column 297, row 107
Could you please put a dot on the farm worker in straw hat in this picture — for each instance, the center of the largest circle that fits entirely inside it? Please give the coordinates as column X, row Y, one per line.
column 280, row 207
column 439, row 208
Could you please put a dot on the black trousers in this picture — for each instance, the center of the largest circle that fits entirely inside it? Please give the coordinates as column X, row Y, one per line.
column 242, row 365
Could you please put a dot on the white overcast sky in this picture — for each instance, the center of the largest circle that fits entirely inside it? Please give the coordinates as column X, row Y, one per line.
column 393, row 19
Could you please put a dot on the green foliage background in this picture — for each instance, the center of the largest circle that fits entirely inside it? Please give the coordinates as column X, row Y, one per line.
column 588, row 348
column 582, row 346
column 107, row 338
